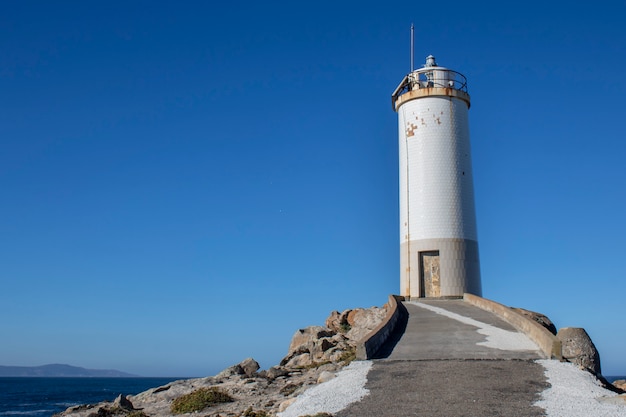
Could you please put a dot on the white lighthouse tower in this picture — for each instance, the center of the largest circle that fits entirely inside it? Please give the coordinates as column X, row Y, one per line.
column 438, row 239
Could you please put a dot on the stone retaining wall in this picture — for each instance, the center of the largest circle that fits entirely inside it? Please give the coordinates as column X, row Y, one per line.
column 547, row 342
column 369, row 345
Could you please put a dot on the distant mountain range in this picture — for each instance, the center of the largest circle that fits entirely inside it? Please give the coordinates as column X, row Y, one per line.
column 58, row 370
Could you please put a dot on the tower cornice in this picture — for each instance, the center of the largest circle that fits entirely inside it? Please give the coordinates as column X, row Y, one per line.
column 429, row 92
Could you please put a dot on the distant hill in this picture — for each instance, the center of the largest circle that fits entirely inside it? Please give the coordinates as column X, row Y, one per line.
column 58, row 370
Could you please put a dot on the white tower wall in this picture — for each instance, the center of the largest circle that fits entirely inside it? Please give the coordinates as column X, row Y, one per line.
column 438, row 238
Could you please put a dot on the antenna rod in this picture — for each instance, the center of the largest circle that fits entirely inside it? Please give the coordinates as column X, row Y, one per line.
column 412, row 36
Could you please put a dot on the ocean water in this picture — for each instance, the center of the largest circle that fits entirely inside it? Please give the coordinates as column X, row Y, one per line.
column 43, row 397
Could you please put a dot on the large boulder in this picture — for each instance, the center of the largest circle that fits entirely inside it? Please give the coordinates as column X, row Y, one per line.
column 620, row 383
column 249, row 367
column 246, row 367
column 273, row 372
column 577, row 347
column 363, row 320
column 538, row 317
column 315, row 345
column 307, row 336
column 338, row 322
column 123, row 402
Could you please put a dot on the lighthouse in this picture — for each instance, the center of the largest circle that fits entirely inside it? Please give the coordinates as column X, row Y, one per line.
column 438, row 238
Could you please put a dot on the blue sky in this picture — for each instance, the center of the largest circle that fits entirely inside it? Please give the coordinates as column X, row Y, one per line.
column 185, row 185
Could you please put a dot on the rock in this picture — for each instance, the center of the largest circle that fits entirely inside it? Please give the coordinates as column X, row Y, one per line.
column 620, row 383
column 333, row 321
column 123, row 402
column 316, row 353
column 338, row 322
column 299, row 361
column 273, row 373
column 321, row 346
column 577, row 347
column 309, row 334
column 364, row 320
column 249, row 367
column 230, row 371
column 325, row 376
column 538, row 317
column 283, row 406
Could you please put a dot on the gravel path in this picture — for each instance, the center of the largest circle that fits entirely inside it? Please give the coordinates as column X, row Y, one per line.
column 576, row 393
column 474, row 388
column 462, row 387
column 334, row 395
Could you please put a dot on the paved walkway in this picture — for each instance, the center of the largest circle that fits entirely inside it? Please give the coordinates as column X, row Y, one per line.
column 439, row 366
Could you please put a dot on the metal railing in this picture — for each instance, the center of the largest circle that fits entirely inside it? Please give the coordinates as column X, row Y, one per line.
column 430, row 77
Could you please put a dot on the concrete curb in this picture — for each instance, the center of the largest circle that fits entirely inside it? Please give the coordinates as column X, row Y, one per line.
column 369, row 345
column 547, row 342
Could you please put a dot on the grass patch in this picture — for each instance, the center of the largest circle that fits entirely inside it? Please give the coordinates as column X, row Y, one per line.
column 348, row 356
column 199, row 400
column 250, row 413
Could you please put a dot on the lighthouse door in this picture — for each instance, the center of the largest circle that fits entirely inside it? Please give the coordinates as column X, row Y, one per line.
column 429, row 274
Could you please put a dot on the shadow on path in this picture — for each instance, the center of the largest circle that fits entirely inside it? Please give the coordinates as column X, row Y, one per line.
column 386, row 349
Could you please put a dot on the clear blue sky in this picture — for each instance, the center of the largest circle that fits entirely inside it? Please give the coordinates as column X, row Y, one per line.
column 185, row 184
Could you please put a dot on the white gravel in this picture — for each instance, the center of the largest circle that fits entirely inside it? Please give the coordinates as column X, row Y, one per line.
column 496, row 338
column 334, row 395
column 573, row 392
column 576, row 393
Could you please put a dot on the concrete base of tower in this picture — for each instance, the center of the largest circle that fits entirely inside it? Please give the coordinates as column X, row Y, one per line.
column 439, row 268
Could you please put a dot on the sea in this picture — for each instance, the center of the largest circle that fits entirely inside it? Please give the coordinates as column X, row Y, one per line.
column 43, row 397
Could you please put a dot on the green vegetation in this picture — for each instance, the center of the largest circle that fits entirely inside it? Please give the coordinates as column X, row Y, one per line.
column 348, row 356
column 136, row 413
column 344, row 328
column 250, row 413
column 199, row 400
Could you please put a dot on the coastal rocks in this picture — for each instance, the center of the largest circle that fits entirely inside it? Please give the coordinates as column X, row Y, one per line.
column 315, row 354
column 538, row 317
column 330, row 347
column 325, row 376
column 356, row 323
column 364, row 320
column 247, row 367
column 619, row 386
column 578, row 348
column 121, row 407
column 303, row 337
column 273, row 373
column 620, row 383
column 122, row 402
column 317, row 345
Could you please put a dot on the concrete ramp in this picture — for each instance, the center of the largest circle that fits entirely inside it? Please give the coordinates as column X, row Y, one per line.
column 449, row 358
column 454, row 329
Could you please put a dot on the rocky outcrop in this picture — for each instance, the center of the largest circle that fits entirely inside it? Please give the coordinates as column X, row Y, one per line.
column 578, row 348
column 315, row 354
column 538, row 317
column 356, row 323
column 316, row 345
column 620, row 383
column 247, row 367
